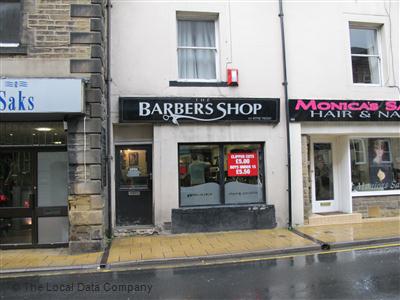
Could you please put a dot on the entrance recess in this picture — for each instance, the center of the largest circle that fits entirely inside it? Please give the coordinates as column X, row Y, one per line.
column 33, row 197
column 324, row 181
column 134, row 193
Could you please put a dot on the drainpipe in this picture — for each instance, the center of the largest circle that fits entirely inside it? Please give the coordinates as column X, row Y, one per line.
column 285, row 84
column 108, row 118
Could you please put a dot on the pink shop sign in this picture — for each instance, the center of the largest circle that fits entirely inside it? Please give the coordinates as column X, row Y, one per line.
column 343, row 110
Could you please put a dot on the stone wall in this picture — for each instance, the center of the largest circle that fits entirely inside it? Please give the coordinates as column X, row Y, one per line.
column 86, row 136
column 305, row 153
column 377, row 206
column 71, row 35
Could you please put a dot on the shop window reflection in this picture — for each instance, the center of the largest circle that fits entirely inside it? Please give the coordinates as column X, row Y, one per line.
column 221, row 174
column 381, row 170
column 199, row 174
column 247, row 185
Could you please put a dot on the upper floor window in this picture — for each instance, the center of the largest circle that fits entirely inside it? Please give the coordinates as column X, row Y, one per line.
column 10, row 16
column 197, row 49
column 365, row 57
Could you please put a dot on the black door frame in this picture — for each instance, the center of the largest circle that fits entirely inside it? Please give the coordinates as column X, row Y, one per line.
column 34, row 212
column 117, row 174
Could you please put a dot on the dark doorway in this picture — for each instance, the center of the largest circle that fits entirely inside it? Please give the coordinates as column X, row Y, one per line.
column 134, row 192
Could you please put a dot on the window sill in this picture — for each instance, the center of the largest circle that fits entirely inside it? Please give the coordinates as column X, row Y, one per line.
column 198, row 83
column 376, row 193
column 22, row 50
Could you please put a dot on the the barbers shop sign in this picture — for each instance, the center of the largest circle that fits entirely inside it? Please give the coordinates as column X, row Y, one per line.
column 177, row 110
column 344, row 110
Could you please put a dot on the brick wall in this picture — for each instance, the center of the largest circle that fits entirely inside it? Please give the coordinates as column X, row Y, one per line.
column 377, row 206
column 73, row 32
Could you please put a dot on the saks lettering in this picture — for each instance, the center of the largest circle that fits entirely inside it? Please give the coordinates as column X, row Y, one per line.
column 18, row 103
column 345, row 106
column 145, row 108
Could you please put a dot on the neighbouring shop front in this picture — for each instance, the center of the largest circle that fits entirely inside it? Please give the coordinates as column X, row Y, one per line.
column 34, row 159
column 350, row 156
column 197, row 164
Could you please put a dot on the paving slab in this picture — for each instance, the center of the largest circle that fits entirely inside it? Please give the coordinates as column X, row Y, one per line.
column 13, row 260
column 202, row 245
column 347, row 233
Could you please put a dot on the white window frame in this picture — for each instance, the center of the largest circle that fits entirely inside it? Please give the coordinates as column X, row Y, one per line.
column 193, row 17
column 370, row 193
column 362, row 147
column 377, row 28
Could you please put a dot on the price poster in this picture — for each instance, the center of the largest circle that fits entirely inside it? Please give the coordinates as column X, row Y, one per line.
column 243, row 164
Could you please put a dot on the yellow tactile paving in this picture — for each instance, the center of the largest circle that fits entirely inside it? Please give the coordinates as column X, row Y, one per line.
column 42, row 258
column 353, row 232
column 201, row 244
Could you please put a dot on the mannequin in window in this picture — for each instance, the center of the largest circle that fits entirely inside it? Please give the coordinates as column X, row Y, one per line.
column 197, row 170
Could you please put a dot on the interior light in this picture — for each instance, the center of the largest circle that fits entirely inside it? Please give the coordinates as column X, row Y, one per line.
column 45, row 129
column 57, row 142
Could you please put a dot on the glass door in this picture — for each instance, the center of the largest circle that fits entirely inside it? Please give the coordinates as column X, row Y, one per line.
column 52, row 195
column 323, row 198
column 134, row 192
column 33, row 197
column 17, row 197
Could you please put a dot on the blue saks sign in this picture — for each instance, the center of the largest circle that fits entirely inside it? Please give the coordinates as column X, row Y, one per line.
column 41, row 95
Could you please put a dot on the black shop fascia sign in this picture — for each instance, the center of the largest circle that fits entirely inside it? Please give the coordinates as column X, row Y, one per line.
column 205, row 110
column 343, row 110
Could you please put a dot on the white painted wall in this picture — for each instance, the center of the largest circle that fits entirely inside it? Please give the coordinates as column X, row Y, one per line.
column 318, row 48
column 319, row 67
column 144, row 60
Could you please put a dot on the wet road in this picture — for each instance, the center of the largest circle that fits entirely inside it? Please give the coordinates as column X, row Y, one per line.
column 361, row 274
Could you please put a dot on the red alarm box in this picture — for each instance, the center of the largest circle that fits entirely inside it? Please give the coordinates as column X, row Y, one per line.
column 233, row 77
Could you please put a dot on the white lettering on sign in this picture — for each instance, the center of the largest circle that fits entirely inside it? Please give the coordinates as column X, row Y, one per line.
column 177, row 110
column 243, row 164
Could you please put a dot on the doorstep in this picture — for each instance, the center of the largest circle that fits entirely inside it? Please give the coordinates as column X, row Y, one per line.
column 123, row 231
column 334, row 219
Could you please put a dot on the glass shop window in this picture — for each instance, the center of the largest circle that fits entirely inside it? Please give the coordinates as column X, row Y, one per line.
column 220, row 174
column 375, row 164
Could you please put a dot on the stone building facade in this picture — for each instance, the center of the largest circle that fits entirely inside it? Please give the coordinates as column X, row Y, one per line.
column 64, row 39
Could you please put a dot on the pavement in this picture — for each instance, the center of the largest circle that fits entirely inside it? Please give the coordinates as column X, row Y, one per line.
column 157, row 250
